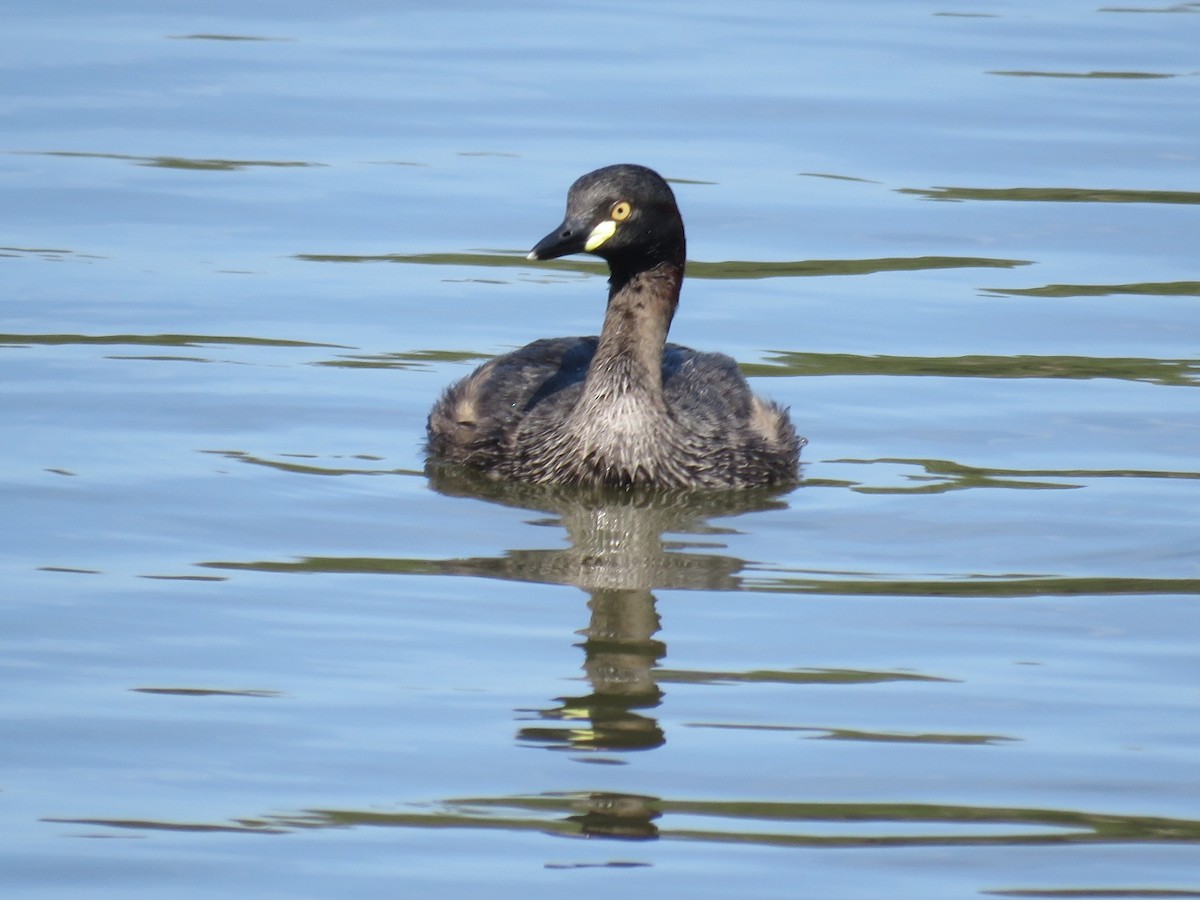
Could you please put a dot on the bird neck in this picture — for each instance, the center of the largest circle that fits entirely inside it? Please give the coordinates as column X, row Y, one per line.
column 630, row 353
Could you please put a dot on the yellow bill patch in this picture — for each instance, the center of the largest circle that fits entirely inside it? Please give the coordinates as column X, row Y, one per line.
column 600, row 234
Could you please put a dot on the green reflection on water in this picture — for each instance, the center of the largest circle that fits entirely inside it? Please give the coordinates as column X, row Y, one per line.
column 1133, row 893
column 412, row 359
column 758, row 823
column 223, row 37
column 888, row 737
column 834, row 177
column 208, row 693
column 946, row 475
column 881, row 737
column 1175, row 8
column 163, row 358
column 153, row 340
column 971, row 473
column 1127, row 75
column 311, row 468
column 1055, row 195
column 791, row 676
column 979, row 586
column 50, row 254
column 774, row 582
column 741, row 269
column 1177, row 372
column 1173, row 372
column 177, row 162
column 1144, row 288
column 345, row 565
column 727, row 269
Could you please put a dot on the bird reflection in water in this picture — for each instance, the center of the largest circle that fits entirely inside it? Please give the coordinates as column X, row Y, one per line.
column 620, row 653
column 603, row 814
column 623, row 545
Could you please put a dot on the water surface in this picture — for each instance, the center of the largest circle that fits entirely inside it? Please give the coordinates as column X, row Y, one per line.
column 252, row 646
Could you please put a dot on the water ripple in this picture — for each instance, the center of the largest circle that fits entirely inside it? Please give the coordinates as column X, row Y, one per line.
column 759, row 823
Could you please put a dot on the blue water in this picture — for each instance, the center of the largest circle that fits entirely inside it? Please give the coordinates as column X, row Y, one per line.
column 250, row 647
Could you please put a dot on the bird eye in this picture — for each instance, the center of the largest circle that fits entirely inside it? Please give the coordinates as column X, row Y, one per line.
column 621, row 210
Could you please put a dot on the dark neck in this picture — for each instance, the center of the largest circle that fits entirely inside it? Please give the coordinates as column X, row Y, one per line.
column 640, row 308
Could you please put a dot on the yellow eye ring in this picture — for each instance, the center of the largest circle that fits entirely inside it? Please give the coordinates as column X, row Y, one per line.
column 621, row 211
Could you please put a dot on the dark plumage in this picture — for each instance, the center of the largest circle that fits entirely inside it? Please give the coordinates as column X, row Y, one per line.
column 626, row 407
